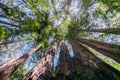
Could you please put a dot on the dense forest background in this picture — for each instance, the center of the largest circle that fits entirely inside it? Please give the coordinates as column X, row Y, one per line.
column 59, row 39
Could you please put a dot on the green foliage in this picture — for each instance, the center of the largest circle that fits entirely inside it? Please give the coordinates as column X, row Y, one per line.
column 71, row 32
column 30, row 25
column 111, row 3
column 62, row 30
column 12, row 13
column 38, row 5
column 36, row 25
column 81, row 22
column 87, row 3
column 18, row 74
column 76, row 25
column 100, row 10
column 40, row 26
column 43, row 37
column 3, row 33
column 114, row 30
column 108, row 7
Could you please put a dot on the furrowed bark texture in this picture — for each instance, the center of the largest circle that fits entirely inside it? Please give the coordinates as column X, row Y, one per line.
column 65, row 69
column 7, row 42
column 110, row 50
column 43, row 68
column 7, row 69
column 91, row 67
column 65, row 61
column 106, row 30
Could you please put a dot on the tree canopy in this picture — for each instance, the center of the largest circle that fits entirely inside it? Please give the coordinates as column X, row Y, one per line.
column 83, row 34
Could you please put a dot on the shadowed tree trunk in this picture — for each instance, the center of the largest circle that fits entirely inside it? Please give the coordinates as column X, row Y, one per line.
column 8, row 68
column 110, row 50
column 3, row 16
column 92, row 68
column 7, row 17
column 83, row 68
column 6, row 23
column 4, row 7
column 106, row 30
column 65, row 67
column 7, row 13
column 7, row 42
column 43, row 68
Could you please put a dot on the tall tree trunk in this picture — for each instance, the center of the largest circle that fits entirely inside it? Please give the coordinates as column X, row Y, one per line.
column 2, row 6
column 8, row 68
column 106, row 30
column 8, row 17
column 43, row 67
column 110, row 50
column 65, row 67
column 7, row 23
column 7, row 42
column 8, row 11
column 92, row 68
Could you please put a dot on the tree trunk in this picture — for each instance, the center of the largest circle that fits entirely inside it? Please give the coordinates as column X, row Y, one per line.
column 8, row 68
column 12, row 19
column 8, row 11
column 91, row 67
column 7, row 42
column 2, row 6
column 43, row 67
column 6, row 23
column 110, row 50
column 64, row 67
column 106, row 30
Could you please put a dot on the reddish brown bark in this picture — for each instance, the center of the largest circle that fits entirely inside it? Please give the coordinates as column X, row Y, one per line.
column 8, row 68
column 105, row 30
column 90, row 66
column 7, row 42
column 110, row 50
column 65, row 61
column 43, row 67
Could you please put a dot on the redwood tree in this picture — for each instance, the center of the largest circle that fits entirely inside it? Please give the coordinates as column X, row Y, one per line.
column 65, row 66
column 7, row 42
column 104, row 30
column 91, row 66
column 8, row 68
column 41, row 22
column 108, row 49
column 43, row 68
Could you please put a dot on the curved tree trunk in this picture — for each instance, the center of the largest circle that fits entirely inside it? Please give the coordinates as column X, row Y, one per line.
column 110, row 50
column 8, row 68
column 106, row 30
column 91, row 67
column 7, row 42
column 43, row 67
